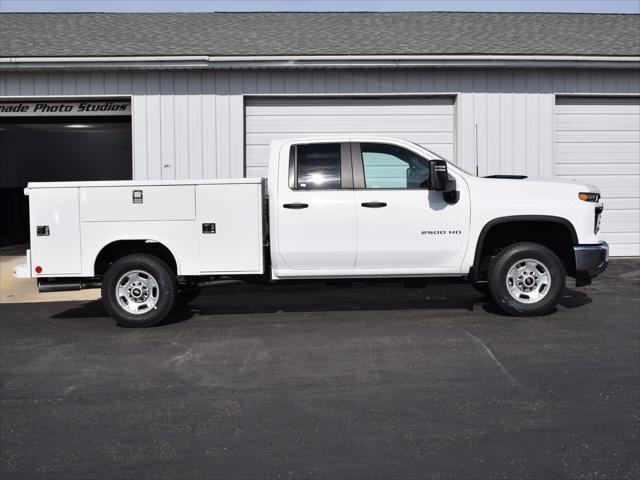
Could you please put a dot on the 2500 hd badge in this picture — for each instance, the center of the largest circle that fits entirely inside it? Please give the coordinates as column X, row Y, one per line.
column 441, row 232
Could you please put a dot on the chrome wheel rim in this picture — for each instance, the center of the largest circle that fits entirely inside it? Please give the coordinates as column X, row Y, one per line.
column 528, row 280
column 137, row 292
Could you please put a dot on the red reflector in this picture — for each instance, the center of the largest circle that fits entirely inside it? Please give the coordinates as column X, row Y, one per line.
column 38, row 269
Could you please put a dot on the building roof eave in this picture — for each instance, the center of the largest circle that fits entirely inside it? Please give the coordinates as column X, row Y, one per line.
column 324, row 61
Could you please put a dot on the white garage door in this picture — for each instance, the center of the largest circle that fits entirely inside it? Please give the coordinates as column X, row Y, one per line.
column 426, row 121
column 598, row 142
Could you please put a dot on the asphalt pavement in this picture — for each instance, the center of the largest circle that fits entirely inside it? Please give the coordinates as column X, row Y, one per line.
column 317, row 381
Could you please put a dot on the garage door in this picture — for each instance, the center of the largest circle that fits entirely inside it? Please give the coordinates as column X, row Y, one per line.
column 426, row 121
column 598, row 142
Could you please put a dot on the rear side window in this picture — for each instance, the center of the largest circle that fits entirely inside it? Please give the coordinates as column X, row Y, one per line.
column 317, row 167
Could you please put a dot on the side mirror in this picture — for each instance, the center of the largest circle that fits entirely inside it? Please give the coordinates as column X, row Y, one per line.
column 441, row 181
column 438, row 176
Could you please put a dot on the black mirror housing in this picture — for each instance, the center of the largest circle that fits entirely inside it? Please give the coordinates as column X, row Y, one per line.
column 441, row 181
column 438, row 175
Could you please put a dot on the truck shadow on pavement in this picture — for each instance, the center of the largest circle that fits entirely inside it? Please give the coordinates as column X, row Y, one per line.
column 247, row 299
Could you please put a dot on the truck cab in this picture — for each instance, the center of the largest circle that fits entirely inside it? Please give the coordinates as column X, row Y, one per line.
column 364, row 207
column 332, row 208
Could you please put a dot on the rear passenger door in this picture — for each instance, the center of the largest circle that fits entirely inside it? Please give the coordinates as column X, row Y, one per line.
column 316, row 213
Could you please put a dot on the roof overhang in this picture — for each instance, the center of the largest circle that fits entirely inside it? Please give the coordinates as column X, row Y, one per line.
column 370, row 61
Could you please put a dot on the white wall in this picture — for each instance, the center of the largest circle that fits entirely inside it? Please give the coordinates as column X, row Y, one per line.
column 190, row 124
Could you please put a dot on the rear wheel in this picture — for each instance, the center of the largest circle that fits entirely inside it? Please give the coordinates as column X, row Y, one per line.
column 526, row 279
column 139, row 290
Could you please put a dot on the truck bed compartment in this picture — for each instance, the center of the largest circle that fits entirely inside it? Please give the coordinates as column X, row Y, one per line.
column 209, row 226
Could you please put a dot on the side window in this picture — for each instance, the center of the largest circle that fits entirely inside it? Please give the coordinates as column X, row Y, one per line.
column 316, row 166
column 390, row 166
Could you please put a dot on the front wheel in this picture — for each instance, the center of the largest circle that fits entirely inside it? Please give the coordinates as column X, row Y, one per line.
column 526, row 279
column 139, row 290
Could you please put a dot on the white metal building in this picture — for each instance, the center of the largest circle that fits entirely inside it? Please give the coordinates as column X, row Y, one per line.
column 150, row 96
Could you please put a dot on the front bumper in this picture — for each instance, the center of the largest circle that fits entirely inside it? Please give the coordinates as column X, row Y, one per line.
column 591, row 261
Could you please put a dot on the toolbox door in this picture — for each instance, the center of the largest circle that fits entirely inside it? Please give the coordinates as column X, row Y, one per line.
column 230, row 228
column 55, row 232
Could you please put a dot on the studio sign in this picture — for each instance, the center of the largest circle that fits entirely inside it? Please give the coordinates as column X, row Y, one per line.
column 30, row 109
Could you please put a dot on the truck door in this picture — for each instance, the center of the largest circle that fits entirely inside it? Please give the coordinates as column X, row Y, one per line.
column 316, row 218
column 403, row 228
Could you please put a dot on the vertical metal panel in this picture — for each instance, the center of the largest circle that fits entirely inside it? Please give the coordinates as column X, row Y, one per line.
column 69, row 86
column 546, row 109
column 181, row 125
column 532, row 127
column 495, row 129
column 505, row 163
column 139, row 129
column 195, row 139
column 236, row 126
column 209, row 139
column 83, row 84
column 153, row 124
column 55, row 83
column 97, row 83
column 222, row 134
column 465, row 151
column 125, row 83
column 480, row 118
column 27, row 84
column 250, row 82
column 167, row 125
column 111, row 83
column 519, row 157
column 41, row 84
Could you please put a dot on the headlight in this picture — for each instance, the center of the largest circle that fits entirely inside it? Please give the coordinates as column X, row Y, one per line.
column 589, row 196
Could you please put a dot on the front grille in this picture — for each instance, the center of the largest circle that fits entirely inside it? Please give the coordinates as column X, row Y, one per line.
column 596, row 226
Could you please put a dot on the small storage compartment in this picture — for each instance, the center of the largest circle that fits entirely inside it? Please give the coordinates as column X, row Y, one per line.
column 137, row 203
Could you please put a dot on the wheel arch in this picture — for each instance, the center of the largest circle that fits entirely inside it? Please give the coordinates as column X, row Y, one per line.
column 115, row 249
column 523, row 222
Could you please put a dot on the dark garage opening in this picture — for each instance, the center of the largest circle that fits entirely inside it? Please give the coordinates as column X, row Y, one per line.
column 50, row 149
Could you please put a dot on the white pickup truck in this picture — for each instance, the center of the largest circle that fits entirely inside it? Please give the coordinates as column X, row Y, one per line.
column 332, row 208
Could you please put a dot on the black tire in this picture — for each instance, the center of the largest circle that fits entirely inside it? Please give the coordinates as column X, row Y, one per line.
column 498, row 279
column 164, row 293
column 187, row 295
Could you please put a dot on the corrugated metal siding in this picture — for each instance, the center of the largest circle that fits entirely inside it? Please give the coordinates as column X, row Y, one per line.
column 190, row 123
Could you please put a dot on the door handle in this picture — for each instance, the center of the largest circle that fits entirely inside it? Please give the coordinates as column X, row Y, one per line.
column 295, row 206
column 374, row 204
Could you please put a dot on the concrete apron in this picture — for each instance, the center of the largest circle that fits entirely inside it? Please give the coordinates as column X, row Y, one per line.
column 25, row 290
